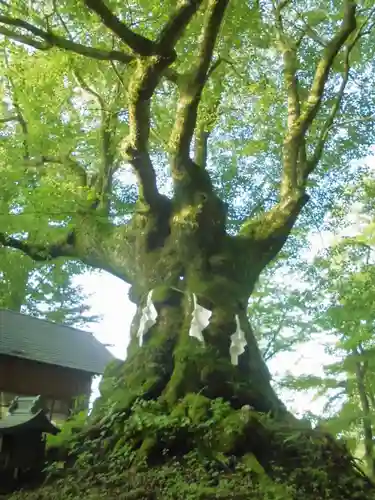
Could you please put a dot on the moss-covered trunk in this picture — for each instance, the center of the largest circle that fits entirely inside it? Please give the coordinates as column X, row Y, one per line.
column 189, row 416
column 195, row 416
column 186, row 265
column 178, row 420
column 367, row 426
column 171, row 363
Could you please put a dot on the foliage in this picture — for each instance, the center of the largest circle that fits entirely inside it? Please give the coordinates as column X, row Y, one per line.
column 69, row 428
column 343, row 313
column 278, row 310
column 62, row 133
column 46, row 291
column 220, row 467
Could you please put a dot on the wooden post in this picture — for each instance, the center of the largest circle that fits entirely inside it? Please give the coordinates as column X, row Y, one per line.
column 2, row 405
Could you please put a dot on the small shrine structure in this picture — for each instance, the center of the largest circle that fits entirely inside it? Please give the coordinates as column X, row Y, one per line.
column 22, row 442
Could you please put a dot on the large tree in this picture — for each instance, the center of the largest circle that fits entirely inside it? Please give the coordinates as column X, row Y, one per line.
column 225, row 110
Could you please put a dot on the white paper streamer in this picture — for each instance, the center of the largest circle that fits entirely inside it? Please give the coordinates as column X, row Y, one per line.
column 238, row 344
column 201, row 318
column 148, row 318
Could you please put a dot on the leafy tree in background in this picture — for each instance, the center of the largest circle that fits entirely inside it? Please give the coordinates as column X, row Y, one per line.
column 43, row 290
column 15, row 270
column 228, row 113
column 344, row 310
column 281, row 299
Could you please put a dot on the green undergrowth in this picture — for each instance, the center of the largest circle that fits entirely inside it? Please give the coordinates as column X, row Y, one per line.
column 200, row 449
column 65, row 438
column 190, row 478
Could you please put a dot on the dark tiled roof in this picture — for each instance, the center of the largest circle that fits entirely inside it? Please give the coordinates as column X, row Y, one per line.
column 39, row 340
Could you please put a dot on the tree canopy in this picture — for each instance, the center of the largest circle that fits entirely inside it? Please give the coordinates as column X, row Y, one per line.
column 261, row 95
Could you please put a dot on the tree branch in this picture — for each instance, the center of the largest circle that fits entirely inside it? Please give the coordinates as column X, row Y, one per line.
column 169, row 35
column 268, row 353
column 138, row 43
column 52, row 40
column 172, row 75
column 201, row 145
column 8, row 119
column 276, row 224
column 92, row 256
column 289, row 53
column 333, row 47
column 108, row 126
column 271, row 229
column 103, row 180
column 141, row 87
column 39, row 253
column 145, row 78
column 191, row 87
column 26, row 40
column 206, row 124
column 312, row 162
column 360, row 119
column 309, row 30
column 290, row 63
column 323, row 136
column 300, row 123
column 19, row 115
column 89, row 90
column 175, row 26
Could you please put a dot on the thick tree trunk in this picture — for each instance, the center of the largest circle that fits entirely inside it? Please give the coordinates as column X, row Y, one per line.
column 185, row 377
column 176, row 395
column 161, row 430
column 183, row 413
column 182, row 257
column 171, row 364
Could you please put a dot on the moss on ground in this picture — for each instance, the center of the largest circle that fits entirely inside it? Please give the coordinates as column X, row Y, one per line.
column 202, row 449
